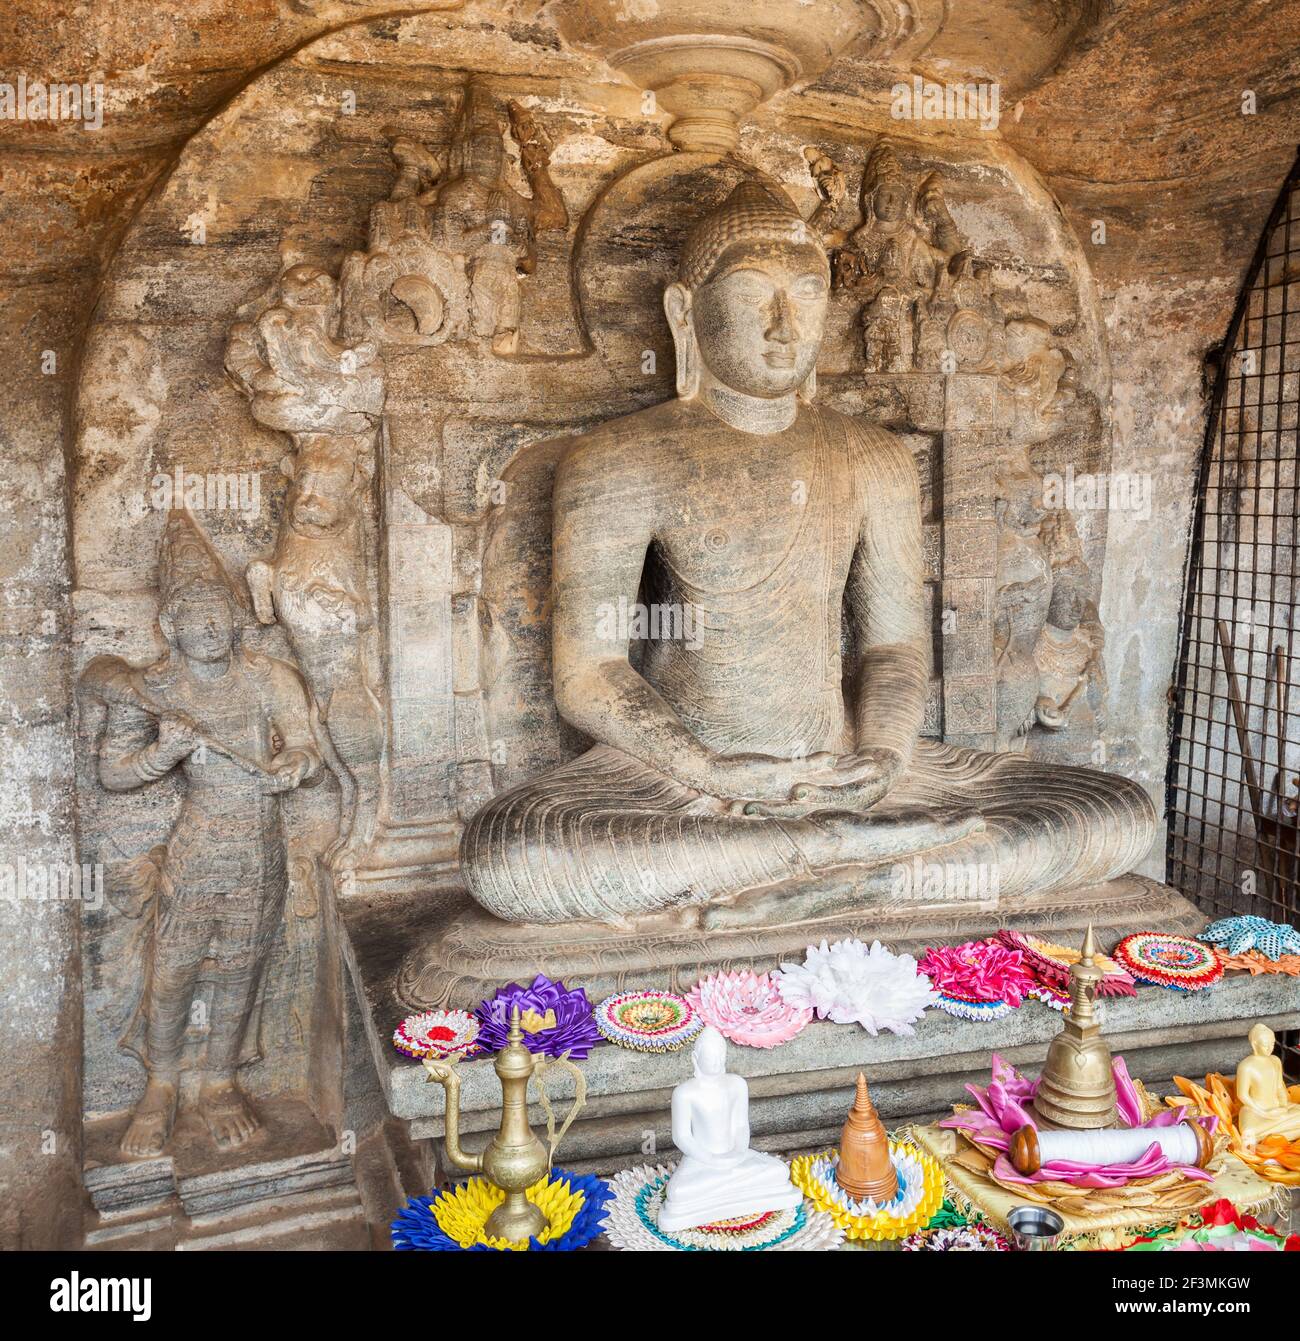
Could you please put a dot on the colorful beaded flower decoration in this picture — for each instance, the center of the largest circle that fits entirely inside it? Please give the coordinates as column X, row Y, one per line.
column 456, row 1219
column 634, row 1222
column 1050, row 964
column 438, row 1034
column 648, row 1021
column 920, row 1194
column 746, row 1008
column 972, row 1238
column 1247, row 932
column 1169, row 961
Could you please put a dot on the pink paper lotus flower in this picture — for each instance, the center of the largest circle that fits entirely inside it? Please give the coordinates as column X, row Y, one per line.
column 978, row 971
column 747, row 1008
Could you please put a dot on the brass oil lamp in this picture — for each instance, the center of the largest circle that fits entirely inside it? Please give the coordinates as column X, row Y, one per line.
column 1077, row 1089
column 515, row 1159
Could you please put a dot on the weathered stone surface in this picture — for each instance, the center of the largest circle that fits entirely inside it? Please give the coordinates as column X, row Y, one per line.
column 1129, row 115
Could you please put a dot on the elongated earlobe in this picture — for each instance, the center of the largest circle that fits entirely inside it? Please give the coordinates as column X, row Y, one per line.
column 677, row 307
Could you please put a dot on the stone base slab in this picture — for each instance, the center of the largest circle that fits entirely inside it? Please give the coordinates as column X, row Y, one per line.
column 289, row 1185
column 454, row 953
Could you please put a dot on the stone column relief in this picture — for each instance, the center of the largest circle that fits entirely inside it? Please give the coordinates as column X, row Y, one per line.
column 211, row 899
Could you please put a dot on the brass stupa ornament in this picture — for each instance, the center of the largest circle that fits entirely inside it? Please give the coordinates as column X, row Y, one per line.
column 865, row 1168
column 1077, row 1090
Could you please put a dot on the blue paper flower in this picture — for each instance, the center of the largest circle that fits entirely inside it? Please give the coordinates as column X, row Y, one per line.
column 417, row 1230
column 1247, row 932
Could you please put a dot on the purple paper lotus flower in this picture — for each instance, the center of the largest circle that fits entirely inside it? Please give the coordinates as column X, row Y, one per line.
column 555, row 1020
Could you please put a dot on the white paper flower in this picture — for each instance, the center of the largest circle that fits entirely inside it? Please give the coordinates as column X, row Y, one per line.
column 851, row 984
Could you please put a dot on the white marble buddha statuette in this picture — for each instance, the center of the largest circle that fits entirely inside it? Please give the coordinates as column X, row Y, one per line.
column 720, row 1176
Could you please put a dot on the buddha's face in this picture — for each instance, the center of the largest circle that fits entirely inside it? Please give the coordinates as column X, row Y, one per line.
column 201, row 623
column 759, row 321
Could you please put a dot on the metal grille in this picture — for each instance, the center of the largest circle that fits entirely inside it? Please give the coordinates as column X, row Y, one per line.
column 1234, row 773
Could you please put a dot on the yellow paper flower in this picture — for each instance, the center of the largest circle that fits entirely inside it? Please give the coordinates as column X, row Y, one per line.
column 463, row 1212
column 813, row 1175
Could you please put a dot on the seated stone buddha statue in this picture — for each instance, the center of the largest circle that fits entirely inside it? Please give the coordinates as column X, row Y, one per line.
column 762, row 764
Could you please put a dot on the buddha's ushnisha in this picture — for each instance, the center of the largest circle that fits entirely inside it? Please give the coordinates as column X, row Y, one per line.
column 759, row 762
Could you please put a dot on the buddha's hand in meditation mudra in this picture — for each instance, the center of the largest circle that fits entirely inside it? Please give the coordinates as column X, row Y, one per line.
column 765, row 784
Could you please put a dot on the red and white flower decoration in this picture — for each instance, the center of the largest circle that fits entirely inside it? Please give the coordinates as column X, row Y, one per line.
column 437, row 1034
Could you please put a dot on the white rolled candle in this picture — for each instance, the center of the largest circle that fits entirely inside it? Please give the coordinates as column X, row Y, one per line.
column 1119, row 1145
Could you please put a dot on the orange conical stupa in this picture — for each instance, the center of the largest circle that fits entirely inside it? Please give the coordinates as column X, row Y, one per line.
column 865, row 1169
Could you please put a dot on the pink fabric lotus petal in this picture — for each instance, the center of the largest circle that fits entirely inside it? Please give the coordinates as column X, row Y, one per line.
column 1014, row 1117
column 1126, row 1095
column 748, row 1009
column 1003, row 1108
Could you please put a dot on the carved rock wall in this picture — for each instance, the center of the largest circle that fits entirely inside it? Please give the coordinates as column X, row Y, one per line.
column 1140, row 126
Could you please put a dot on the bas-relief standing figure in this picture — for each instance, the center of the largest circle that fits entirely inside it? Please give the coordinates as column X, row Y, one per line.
column 733, row 771
column 477, row 215
column 898, row 259
column 1047, row 636
column 237, row 725
column 304, row 377
column 316, row 586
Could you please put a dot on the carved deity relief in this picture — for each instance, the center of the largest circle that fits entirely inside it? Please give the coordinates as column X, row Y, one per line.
column 285, row 354
column 403, row 289
column 447, row 254
column 922, row 291
column 304, row 378
column 211, row 900
column 1048, row 638
column 316, row 585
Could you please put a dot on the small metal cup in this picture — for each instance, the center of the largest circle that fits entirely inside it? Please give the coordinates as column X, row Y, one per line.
column 1035, row 1227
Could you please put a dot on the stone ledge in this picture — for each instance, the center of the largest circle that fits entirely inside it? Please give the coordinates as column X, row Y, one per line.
column 798, row 1092
column 830, row 1054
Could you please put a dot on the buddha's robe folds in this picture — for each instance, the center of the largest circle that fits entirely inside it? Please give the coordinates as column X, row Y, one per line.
column 608, row 836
